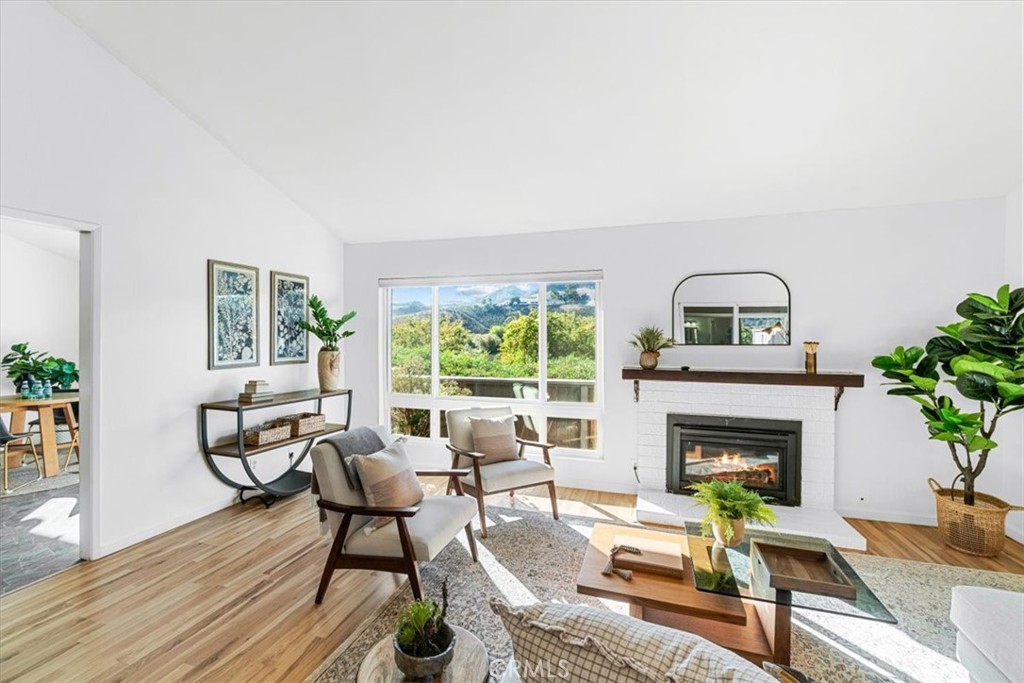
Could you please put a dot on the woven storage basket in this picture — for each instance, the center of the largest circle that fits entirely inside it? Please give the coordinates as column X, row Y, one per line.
column 978, row 529
column 269, row 432
column 305, row 423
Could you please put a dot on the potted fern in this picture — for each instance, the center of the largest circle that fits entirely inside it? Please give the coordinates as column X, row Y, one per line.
column 982, row 359
column 424, row 643
column 730, row 506
column 650, row 340
column 329, row 331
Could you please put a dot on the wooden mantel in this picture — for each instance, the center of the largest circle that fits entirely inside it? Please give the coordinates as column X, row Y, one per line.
column 839, row 380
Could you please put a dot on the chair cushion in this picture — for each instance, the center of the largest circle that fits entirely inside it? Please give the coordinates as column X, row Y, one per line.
column 589, row 645
column 358, row 441
column 511, row 474
column 332, row 482
column 993, row 621
column 460, row 434
column 495, row 437
column 439, row 520
column 388, row 480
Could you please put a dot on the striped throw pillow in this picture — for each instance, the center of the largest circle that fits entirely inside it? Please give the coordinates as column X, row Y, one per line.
column 495, row 437
column 388, row 480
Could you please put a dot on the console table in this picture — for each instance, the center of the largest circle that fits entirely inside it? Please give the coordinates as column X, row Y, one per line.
column 293, row 480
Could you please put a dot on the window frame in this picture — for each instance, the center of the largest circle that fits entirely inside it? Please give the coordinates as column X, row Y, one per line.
column 539, row 409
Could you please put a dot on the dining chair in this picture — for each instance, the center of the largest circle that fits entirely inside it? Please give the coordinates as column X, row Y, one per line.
column 11, row 445
column 60, row 420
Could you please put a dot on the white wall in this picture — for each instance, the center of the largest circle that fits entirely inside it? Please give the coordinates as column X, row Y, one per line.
column 38, row 301
column 862, row 282
column 1006, row 478
column 85, row 138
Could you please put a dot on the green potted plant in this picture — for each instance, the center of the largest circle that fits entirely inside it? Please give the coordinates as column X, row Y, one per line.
column 22, row 364
column 424, row 643
column 981, row 357
column 730, row 505
column 61, row 372
column 329, row 331
column 650, row 340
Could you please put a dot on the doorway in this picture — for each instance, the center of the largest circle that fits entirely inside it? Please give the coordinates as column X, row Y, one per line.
column 48, row 310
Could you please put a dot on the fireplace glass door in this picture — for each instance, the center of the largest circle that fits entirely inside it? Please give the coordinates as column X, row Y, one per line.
column 761, row 454
column 755, row 465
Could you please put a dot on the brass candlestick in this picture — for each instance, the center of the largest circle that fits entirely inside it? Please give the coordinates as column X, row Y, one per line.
column 811, row 357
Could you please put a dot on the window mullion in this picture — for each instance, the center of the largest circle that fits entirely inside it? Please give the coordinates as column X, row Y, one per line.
column 542, row 354
column 385, row 349
column 435, row 358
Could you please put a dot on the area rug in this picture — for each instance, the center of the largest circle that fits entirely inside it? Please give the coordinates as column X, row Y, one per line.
column 530, row 557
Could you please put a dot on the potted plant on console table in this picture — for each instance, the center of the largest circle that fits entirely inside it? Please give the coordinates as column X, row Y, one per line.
column 983, row 358
column 328, row 331
column 730, row 505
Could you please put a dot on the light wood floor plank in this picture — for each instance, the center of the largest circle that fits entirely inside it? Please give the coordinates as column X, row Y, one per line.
column 230, row 597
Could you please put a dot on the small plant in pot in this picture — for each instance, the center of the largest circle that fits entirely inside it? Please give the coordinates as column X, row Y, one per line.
column 730, row 505
column 22, row 364
column 982, row 358
column 650, row 340
column 424, row 642
column 329, row 331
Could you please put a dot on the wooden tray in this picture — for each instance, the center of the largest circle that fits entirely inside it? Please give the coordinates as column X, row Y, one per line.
column 802, row 569
column 659, row 557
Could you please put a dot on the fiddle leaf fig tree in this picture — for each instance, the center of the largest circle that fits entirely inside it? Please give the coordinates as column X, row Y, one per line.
column 982, row 358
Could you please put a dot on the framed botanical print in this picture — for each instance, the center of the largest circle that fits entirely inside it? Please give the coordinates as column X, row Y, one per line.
column 288, row 309
column 233, row 291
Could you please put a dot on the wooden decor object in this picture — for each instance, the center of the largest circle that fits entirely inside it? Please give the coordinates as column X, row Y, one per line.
column 658, row 557
column 800, row 569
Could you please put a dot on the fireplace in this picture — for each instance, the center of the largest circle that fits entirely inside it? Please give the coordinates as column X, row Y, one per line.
column 764, row 455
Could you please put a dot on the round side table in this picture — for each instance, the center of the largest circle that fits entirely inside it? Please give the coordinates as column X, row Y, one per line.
column 470, row 664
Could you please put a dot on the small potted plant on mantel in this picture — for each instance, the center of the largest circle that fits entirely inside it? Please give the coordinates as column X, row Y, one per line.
column 424, row 643
column 650, row 340
column 982, row 357
column 328, row 331
column 730, row 506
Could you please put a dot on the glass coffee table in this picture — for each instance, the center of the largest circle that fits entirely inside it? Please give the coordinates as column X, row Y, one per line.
column 730, row 571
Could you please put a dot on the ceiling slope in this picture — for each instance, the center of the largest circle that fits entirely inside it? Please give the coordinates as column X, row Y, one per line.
column 391, row 121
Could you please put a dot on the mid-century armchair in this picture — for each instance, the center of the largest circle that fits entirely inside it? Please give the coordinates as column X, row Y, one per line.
column 498, row 477
column 418, row 533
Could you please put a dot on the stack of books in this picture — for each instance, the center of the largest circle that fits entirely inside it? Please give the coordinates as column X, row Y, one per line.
column 255, row 390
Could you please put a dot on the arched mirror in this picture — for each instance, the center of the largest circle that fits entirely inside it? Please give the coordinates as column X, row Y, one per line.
column 722, row 309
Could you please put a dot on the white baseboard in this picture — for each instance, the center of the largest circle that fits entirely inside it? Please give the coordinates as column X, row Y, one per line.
column 181, row 520
column 888, row 516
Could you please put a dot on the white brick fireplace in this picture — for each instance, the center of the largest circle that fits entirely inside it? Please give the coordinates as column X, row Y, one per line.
column 813, row 406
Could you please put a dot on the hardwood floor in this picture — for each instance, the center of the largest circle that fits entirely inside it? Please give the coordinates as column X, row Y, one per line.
column 922, row 543
column 230, row 597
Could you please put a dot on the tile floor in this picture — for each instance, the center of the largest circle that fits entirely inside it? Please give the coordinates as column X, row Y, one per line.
column 38, row 535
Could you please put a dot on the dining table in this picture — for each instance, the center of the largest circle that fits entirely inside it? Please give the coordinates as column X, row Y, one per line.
column 45, row 408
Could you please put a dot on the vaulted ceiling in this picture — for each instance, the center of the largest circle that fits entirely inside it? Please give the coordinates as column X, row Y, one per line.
column 390, row 121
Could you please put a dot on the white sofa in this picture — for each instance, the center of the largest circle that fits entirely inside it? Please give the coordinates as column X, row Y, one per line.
column 989, row 633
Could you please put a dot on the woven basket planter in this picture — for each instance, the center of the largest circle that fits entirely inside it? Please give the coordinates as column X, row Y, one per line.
column 978, row 529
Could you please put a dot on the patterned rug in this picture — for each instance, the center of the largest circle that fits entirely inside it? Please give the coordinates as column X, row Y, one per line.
column 530, row 557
